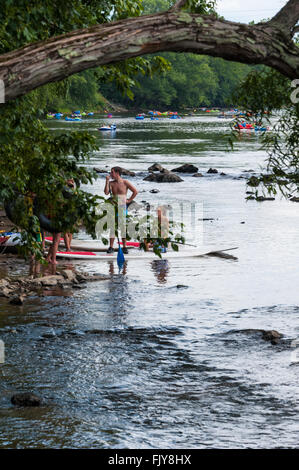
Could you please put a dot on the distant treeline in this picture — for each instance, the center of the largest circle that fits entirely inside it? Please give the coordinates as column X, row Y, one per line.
column 193, row 81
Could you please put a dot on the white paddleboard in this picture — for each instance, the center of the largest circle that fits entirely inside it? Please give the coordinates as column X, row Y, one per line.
column 140, row 255
column 88, row 245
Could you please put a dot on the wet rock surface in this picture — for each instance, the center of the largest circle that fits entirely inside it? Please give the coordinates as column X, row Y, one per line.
column 273, row 336
column 125, row 172
column 26, row 399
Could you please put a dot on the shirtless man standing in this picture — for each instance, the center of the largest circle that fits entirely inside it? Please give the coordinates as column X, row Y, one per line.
column 119, row 188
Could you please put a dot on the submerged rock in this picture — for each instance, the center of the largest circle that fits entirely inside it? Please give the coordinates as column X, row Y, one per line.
column 267, row 335
column 197, row 175
column 263, row 198
column 26, row 399
column 271, row 335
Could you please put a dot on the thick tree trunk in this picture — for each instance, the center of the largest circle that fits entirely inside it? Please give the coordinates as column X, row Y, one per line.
column 25, row 69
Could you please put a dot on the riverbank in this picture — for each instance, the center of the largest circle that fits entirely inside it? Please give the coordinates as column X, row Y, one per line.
column 19, row 280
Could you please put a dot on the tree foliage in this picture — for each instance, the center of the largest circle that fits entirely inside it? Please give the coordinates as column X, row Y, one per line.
column 267, row 96
column 33, row 161
column 191, row 81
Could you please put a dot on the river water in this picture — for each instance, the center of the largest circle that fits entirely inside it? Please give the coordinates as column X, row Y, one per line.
column 137, row 362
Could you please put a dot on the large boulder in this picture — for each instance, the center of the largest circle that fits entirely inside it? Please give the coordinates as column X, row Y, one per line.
column 165, row 177
column 186, row 168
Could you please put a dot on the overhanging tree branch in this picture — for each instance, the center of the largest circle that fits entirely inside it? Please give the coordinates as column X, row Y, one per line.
column 288, row 16
column 37, row 64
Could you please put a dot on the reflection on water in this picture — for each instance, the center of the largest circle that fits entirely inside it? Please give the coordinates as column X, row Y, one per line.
column 160, row 268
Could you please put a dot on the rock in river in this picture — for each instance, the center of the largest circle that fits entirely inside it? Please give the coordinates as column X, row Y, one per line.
column 186, row 168
column 263, row 198
column 18, row 299
column 25, row 399
column 165, row 177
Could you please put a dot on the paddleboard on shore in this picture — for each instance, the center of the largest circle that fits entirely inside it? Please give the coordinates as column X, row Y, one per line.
column 89, row 245
column 140, row 255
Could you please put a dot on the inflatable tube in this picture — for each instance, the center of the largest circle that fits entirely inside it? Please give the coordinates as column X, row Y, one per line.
column 47, row 224
column 10, row 239
column 11, row 208
column 44, row 221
